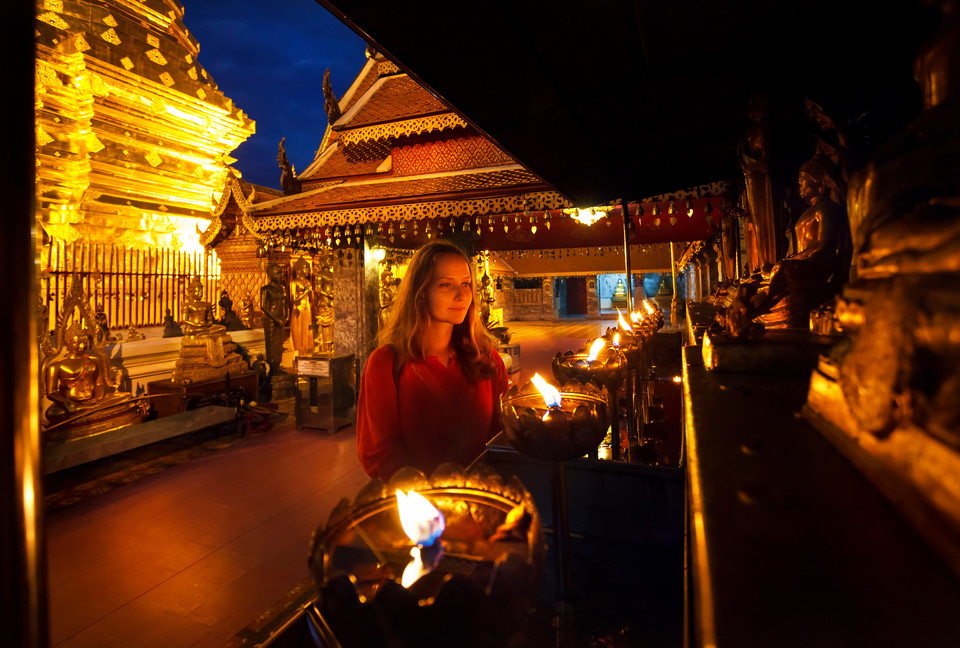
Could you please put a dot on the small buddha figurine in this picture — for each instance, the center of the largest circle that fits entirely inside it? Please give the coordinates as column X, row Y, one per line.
column 230, row 319
column 171, row 328
column 133, row 335
column 103, row 329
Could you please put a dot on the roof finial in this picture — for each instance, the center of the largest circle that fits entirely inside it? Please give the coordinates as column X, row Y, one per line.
column 330, row 103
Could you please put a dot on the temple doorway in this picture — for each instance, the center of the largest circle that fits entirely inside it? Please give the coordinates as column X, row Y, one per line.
column 570, row 296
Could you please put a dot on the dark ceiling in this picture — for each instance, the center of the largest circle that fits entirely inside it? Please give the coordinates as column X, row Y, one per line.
column 613, row 99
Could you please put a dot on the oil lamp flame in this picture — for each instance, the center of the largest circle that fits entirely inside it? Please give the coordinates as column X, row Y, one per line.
column 551, row 395
column 616, row 340
column 623, row 324
column 420, row 519
column 598, row 344
column 636, row 317
column 650, row 309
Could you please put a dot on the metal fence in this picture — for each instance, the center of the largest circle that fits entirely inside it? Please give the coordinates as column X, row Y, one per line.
column 134, row 287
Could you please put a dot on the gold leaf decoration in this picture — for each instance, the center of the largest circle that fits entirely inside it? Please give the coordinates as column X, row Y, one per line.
column 81, row 43
column 110, row 21
column 53, row 20
column 153, row 158
column 94, row 145
column 126, row 62
column 167, row 79
column 153, row 41
column 110, row 36
column 192, row 73
column 43, row 138
column 155, row 56
column 201, row 93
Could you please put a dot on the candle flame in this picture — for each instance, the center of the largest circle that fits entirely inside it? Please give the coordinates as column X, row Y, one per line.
column 616, row 339
column 623, row 323
column 421, row 521
column 414, row 569
column 598, row 344
column 650, row 309
column 636, row 317
column 551, row 395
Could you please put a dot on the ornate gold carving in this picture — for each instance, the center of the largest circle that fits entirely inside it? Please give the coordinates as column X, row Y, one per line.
column 201, row 93
column 153, row 159
column 43, row 138
column 192, row 73
column 111, row 36
column 420, row 125
column 167, row 79
column 386, row 68
column 126, row 63
column 54, row 20
column 110, row 21
column 537, row 201
column 155, row 56
column 153, row 41
column 81, row 43
column 53, row 5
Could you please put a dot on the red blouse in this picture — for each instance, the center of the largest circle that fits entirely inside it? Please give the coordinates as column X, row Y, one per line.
column 438, row 415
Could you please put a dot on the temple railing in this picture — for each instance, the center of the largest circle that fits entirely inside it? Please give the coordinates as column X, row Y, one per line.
column 133, row 286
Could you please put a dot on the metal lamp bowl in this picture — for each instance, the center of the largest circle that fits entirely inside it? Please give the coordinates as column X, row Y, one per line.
column 573, row 431
column 479, row 595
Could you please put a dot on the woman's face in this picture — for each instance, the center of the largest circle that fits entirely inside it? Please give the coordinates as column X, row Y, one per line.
column 451, row 290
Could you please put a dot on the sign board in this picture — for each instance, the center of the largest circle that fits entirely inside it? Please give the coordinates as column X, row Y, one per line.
column 318, row 367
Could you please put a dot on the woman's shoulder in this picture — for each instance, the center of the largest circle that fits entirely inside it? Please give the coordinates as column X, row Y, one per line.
column 383, row 354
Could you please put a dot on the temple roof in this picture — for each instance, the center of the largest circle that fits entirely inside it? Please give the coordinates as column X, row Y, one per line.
column 390, row 99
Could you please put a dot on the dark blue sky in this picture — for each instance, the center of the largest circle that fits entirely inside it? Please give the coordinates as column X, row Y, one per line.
column 269, row 57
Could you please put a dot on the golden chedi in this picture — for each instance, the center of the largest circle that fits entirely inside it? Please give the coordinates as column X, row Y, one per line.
column 207, row 352
column 78, row 380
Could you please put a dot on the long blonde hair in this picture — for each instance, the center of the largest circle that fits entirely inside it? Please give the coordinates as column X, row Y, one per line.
column 407, row 326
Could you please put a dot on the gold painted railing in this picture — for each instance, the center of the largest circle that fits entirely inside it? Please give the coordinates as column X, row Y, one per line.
column 133, row 287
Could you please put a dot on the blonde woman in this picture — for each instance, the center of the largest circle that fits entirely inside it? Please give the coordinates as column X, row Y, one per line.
column 430, row 394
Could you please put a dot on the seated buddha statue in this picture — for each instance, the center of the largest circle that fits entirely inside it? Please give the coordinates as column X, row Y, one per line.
column 206, row 350
column 784, row 296
column 82, row 389
column 198, row 314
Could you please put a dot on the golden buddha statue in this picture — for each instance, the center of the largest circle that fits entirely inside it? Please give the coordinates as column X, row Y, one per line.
column 78, row 379
column 619, row 298
column 301, row 314
column 785, row 295
column 207, row 352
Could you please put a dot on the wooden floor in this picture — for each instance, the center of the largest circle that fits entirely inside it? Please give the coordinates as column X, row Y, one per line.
column 193, row 554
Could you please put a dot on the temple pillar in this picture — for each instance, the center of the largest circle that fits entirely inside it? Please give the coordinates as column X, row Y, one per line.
column 593, row 298
column 355, row 301
column 547, row 311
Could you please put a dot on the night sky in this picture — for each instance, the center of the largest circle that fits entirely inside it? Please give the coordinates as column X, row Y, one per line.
column 269, row 57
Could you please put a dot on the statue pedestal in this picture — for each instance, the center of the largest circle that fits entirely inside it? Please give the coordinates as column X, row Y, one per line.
column 175, row 398
column 284, row 386
column 777, row 351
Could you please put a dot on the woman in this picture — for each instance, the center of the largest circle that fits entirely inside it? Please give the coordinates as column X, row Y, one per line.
column 431, row 393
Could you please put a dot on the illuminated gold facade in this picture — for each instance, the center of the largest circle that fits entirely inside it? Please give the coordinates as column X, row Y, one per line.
column 133, row 135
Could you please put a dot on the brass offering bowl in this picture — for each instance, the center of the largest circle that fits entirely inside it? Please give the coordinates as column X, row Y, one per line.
column 478, row 593
column 555, row 433
column 607, row 369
